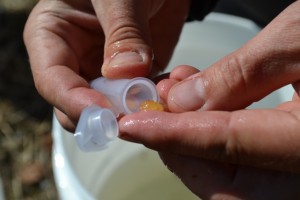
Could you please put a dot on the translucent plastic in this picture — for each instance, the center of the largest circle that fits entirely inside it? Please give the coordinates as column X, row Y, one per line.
column 97, row 126
column 126, row 95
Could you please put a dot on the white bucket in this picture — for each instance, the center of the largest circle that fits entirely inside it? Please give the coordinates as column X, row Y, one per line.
column 1, row 190
column 127, row 171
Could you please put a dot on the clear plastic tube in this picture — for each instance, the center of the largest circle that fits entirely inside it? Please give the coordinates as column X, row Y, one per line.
column 97, row 126
column 126, row 95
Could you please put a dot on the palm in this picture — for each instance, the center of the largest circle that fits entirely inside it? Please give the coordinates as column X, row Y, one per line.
column 212, row 180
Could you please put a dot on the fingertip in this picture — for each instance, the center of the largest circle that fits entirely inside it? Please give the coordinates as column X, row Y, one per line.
column 163, row 88
column 182, row 72
column 188, row 95
column 127, row 50
column 64, row 121
column 127, row 64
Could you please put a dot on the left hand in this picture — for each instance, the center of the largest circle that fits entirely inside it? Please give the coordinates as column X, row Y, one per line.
column 71, row 42
column 232, row 154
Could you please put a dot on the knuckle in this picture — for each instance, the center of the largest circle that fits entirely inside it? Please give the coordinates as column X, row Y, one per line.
column 233, row 146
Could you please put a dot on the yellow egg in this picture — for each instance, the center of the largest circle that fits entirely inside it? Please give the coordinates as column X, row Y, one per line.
column 151, row 105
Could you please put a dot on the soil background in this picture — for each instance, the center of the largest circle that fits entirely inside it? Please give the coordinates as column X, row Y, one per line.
column 25, row 118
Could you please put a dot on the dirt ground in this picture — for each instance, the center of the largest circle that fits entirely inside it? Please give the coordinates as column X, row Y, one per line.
column 25, row 118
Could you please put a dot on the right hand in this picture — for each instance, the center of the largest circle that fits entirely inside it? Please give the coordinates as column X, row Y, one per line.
column 71, row 42
column 219, row 149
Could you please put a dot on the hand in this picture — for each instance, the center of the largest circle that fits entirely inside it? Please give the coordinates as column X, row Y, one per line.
column 235, row 153
column 70, row 42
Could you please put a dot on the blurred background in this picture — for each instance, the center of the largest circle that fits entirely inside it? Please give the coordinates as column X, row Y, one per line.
column 25, row 118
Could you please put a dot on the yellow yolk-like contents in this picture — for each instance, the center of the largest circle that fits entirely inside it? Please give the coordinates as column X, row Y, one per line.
column 151, row 105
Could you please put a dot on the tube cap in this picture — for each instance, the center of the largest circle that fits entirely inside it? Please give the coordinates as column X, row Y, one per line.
column 96, row 128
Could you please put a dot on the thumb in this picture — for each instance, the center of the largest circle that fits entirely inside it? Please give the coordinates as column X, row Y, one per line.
column 267, row 62
column 127, row 51
column 234, row 82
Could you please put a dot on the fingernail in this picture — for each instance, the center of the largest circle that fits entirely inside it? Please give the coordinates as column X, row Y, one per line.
column 128, row 57
column 187, row 95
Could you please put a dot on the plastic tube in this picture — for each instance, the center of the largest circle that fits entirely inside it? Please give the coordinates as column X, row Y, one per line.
column 97, row 126
column 126, row 95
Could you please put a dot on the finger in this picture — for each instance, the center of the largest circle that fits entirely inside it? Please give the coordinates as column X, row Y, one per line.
column 178, row 74
column 67, row 91
column 64, row 120
column 164, row 40
column 55, row 64
column 261, row 66
column 127, row 46
column 49, row 42
column 182, row 72
column 247, row 137
column 135, row 40
column 163, row 88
